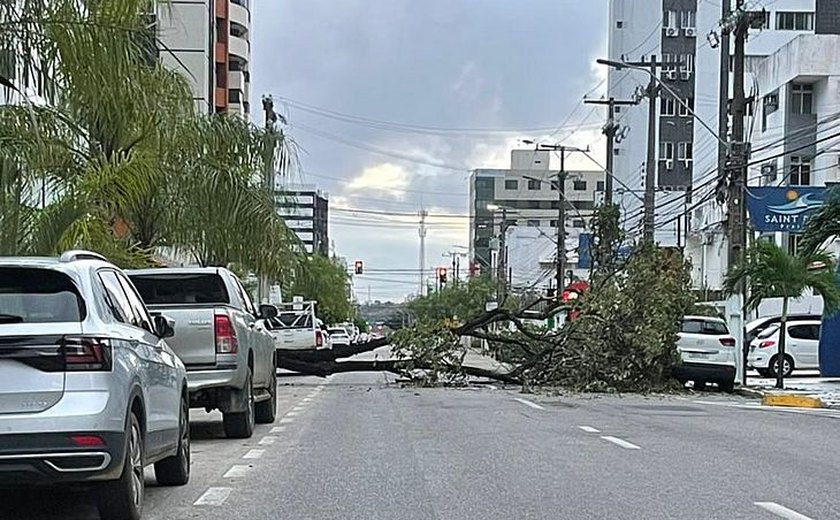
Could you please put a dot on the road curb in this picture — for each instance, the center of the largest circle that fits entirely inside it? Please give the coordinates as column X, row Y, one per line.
column 749, row 392
column 792, row 400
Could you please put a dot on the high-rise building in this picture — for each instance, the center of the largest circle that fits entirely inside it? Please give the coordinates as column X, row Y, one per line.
column 526, row 197
column 209, row 42
column 305, row 209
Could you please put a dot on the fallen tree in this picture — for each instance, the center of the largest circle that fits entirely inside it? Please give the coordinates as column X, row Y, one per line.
column 623, row 339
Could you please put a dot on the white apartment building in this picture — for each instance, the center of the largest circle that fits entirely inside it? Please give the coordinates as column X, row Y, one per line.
column 209, row 42
column 529, row 201
column 687, row 153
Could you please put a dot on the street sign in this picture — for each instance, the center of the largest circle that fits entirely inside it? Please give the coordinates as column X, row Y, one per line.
column 785, row 208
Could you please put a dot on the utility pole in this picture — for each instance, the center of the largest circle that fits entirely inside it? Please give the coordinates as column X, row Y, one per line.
column 270, row 145
column 610, row 130
column 501, row 257
column 422, row 232
column 738, row 23
column 650, row 172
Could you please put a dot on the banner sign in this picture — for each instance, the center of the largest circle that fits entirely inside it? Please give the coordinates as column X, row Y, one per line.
column 783, row 208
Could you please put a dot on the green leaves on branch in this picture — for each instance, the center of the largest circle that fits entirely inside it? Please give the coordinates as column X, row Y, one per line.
column 326, row 280
column 463, row 300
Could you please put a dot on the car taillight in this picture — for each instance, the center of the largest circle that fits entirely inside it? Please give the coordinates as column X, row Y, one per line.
column 87, row 441
column 225, row 335
column 727, row 342
column 767, row 344
column 319, row 338
column 86, row 354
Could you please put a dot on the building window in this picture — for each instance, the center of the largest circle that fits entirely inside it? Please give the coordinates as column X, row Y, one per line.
column 617, row 151
column 579, row 223
column 789, row 21
column 600, row 186
column 234, row 96
column 553, row 223
column 579, row 186
column 533, row 184
column 684, row 112
column 666, row 151
column 617, row 109
column 619, row 24
column 667, row 106
column 511, row 184
column 793, row 243
column 800, row 171
column 801, row 98
column 685, row 152
column 533, row 223
column 688, row 19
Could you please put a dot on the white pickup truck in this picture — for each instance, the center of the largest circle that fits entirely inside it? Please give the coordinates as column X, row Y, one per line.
column 297, row 328
column 222, row 340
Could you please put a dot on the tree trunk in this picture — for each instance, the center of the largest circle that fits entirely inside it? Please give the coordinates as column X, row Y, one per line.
column 780, row 374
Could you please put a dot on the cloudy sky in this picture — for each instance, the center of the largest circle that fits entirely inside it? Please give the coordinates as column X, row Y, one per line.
column 392, row 102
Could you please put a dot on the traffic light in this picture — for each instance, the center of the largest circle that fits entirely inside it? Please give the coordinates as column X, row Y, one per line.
column 442, row 275
column 359, row 267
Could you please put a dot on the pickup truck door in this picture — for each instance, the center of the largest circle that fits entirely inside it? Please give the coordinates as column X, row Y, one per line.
column 258, row 338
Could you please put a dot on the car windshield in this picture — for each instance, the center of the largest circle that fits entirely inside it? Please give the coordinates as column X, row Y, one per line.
column 29, row 295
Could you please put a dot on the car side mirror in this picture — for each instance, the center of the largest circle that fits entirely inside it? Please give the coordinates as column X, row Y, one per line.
column 164, row 326
column 268, row 312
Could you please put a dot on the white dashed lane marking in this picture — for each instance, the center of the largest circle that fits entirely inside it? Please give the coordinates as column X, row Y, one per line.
column 268, row 440
column 589, row 429
column 286, row 420
column 298, row 408
column 782, row 511
column 278, row 429
column 620, row 442
column 533, row 405
column 254, row 454
column 214, row 496
column 237, row 471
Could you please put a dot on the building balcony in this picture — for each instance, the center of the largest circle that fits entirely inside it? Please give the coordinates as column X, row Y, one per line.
column 236, row 80
column 239, row 47
column 240, row 14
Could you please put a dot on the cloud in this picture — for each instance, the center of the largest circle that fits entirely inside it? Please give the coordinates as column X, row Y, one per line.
column 387, row 178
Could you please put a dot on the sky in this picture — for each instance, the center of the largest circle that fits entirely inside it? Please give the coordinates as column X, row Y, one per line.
column 392, row 103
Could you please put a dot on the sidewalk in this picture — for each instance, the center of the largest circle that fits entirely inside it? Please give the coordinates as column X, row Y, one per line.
column 810, row 393
column 475, row 358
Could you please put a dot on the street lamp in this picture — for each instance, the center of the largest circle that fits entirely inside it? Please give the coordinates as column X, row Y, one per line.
column 618, row 65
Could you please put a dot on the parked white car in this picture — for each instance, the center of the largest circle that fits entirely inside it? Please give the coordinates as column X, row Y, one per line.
column 707, row 351
column 339, row 336
column 801, row 348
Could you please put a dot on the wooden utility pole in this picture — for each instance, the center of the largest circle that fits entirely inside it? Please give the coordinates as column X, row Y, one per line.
column 650, row 164
column 610, row 130
column 270, row 146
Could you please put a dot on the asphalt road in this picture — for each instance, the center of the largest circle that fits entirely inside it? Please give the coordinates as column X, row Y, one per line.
column 358, row 446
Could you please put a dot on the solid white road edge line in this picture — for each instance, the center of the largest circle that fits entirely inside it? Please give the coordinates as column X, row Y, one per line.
column 236, row 471
column 529, row 403
column 620, row 442
column 254, row 454
column 214, row 496
column 781, row 511
column 589, row 429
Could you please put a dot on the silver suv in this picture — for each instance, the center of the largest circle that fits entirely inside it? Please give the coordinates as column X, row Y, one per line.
column 90, row 392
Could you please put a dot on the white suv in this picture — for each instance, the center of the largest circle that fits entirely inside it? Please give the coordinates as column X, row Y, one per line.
column 90, row 392
column 802, row 347
column 707, row 352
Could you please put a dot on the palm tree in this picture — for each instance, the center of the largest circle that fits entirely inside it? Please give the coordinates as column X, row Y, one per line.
column 115, row 159
column 771, row 272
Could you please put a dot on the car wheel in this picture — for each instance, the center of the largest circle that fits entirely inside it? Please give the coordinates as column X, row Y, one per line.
column 266, row 411
column 175, row 470
column 727, row 386
column 787, row 366
column 122, row 499
column 699, row 385
column 240, row 425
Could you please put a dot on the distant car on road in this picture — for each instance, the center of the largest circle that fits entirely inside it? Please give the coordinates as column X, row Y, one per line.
column 339, row 336
column 707, row 353
column 756, row 327
column 222, row 340
column 801, row 348
column 90, row 391
column 297, row 328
